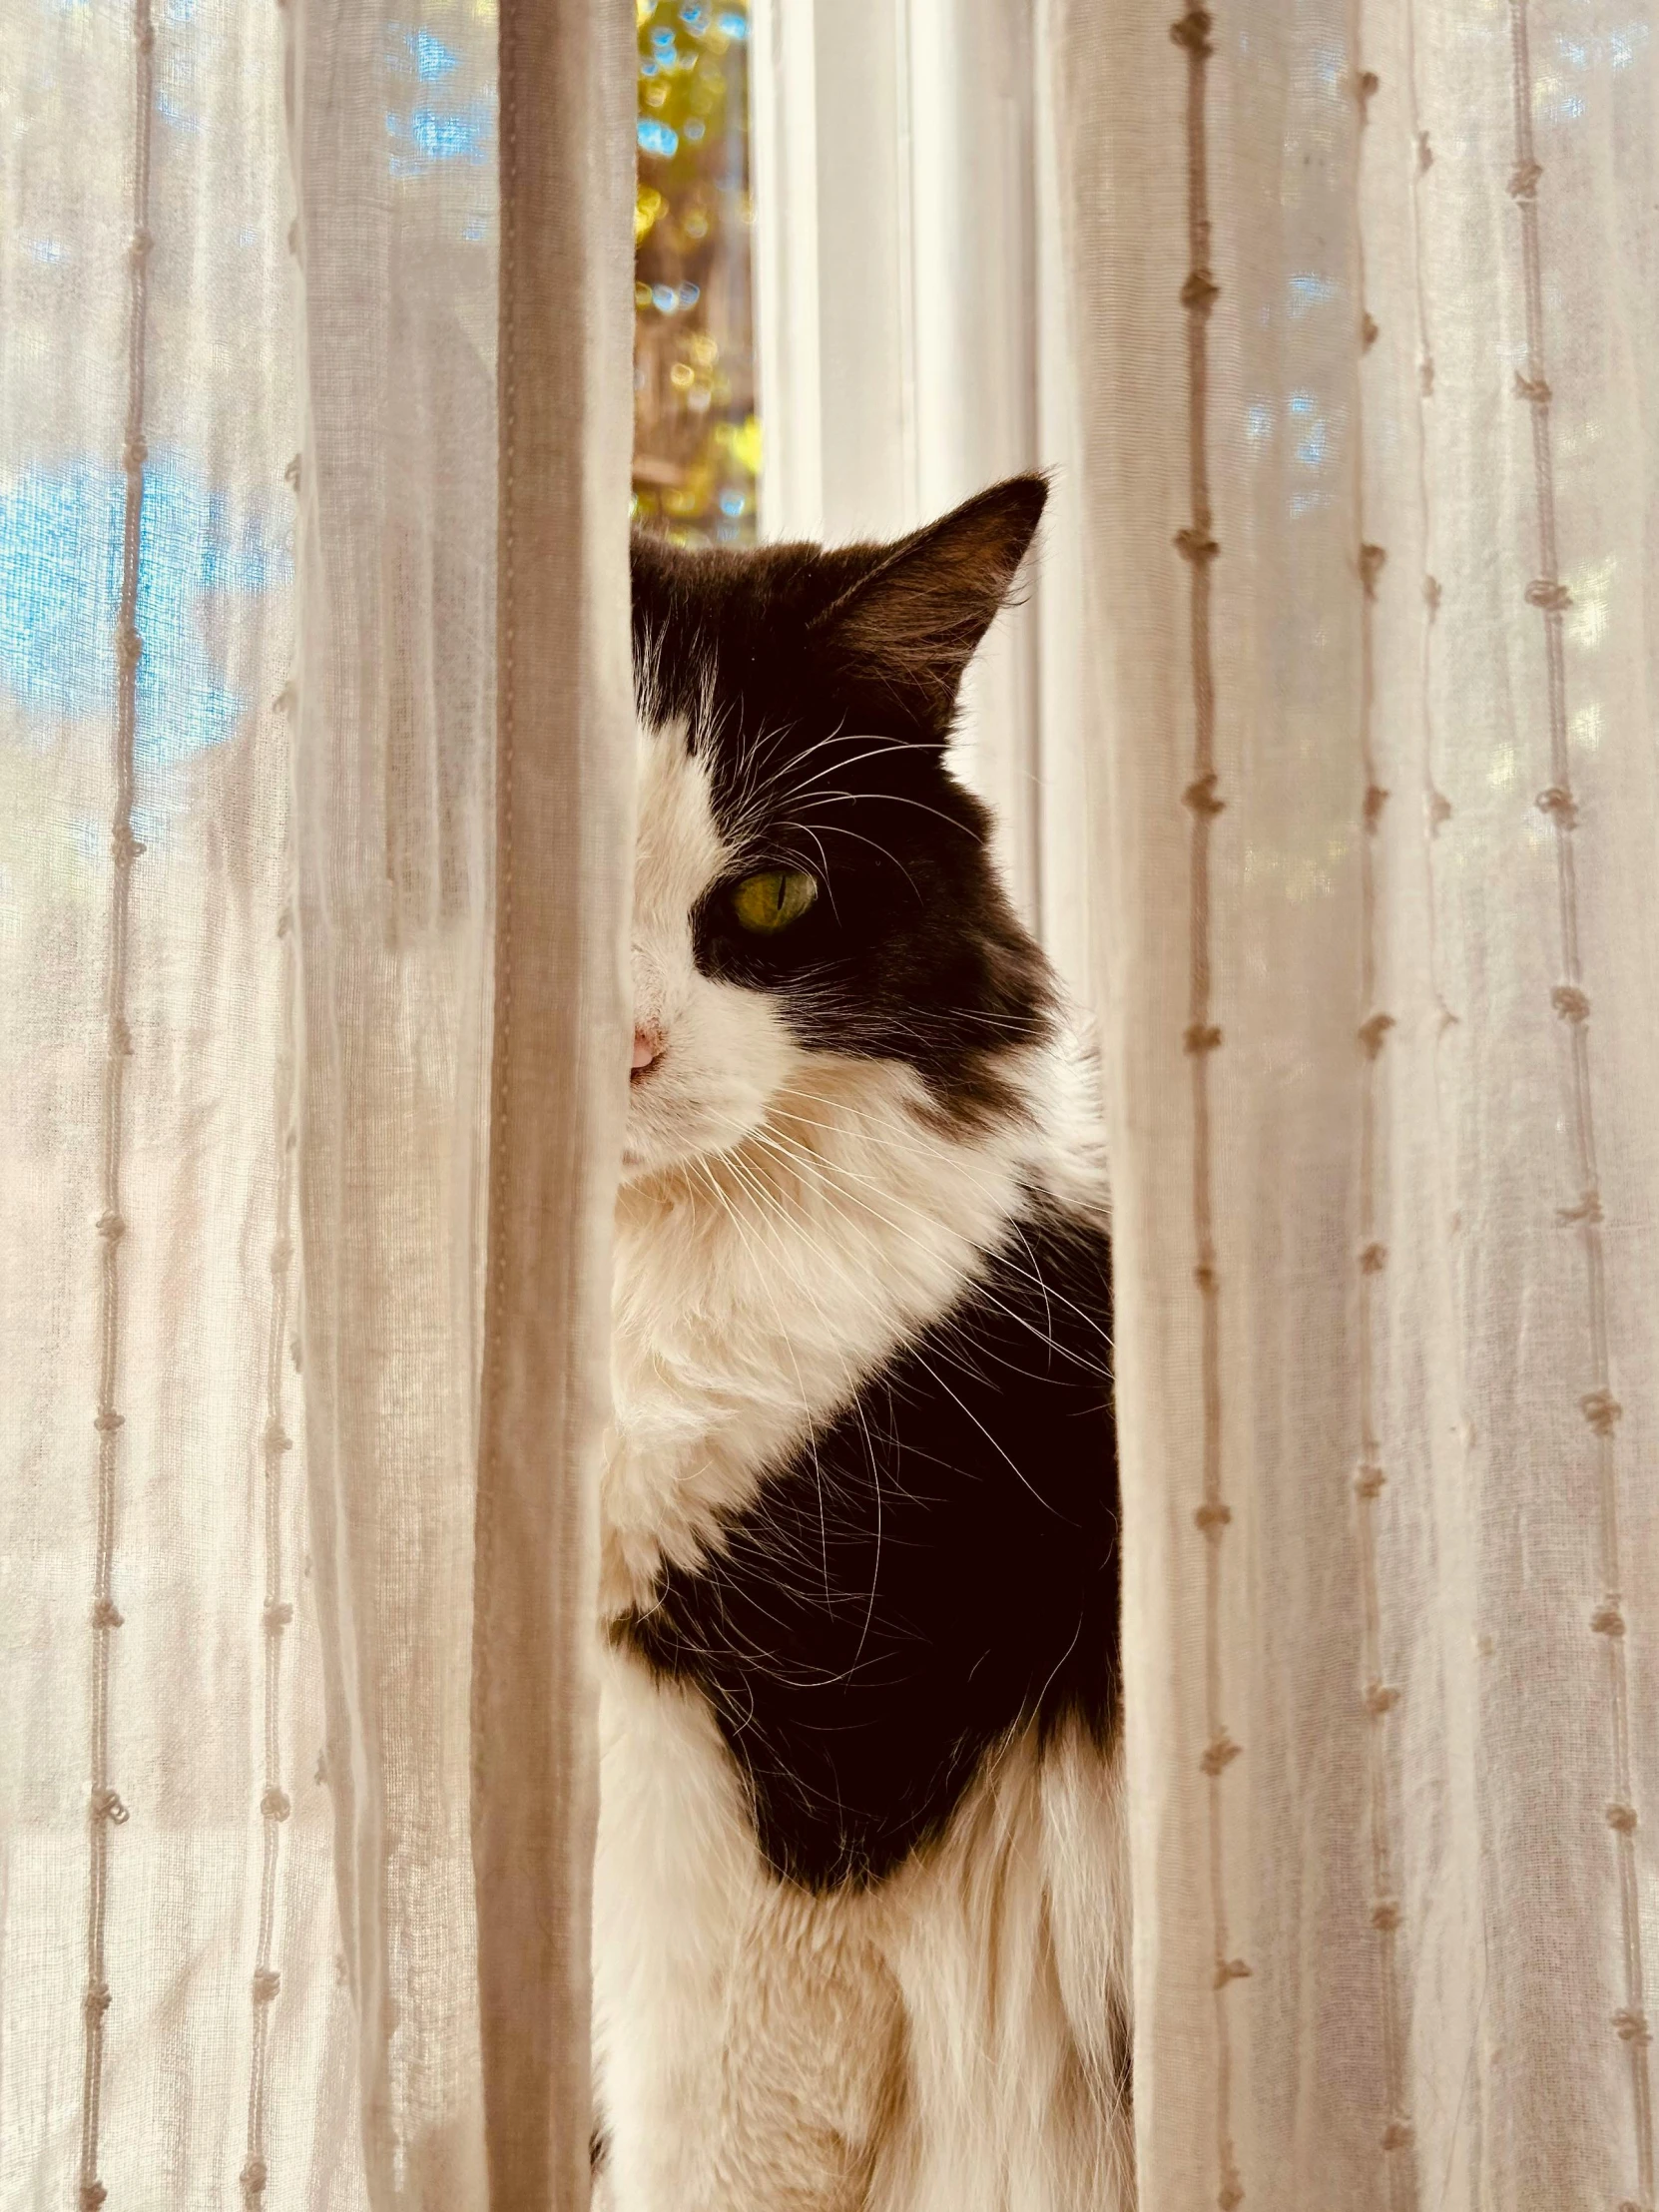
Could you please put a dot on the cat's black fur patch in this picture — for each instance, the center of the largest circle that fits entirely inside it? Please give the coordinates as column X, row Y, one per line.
column 935, row 1567
column 821, row 687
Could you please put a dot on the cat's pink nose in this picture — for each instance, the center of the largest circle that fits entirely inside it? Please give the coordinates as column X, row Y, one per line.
column 648, row 1048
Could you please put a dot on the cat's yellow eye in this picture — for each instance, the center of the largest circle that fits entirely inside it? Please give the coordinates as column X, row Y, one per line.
column 770, row 901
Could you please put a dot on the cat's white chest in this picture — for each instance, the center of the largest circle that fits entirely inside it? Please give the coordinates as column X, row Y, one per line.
column 749, row 1305
column 720, row 1364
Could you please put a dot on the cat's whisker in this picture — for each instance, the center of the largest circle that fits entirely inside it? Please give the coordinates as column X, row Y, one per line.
column 897, row 799
column 847, row 1176
column 938, row 1379
column 772, row 738
column 875, row 753
column 759, row 788
column 839, row 829
column 769, row 1201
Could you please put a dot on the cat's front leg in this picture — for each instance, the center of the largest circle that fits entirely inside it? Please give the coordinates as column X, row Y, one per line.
column 748, row 2036
column 668, row 1888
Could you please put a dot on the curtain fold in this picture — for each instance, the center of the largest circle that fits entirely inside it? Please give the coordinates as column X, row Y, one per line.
column 1364, row 306
column 392, row 149
column 565, row 749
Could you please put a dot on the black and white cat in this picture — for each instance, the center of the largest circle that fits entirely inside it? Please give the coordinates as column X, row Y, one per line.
column 861, row 1938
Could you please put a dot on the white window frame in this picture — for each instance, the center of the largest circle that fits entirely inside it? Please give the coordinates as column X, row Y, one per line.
column 911, row 349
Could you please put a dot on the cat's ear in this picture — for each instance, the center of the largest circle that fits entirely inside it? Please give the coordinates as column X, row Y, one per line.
column 903, row 634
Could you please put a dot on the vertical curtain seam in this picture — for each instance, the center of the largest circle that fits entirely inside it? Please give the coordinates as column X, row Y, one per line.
column 506, row 565
column 490, row 1382
column 105, row 1807
column 1600, row 1409
column 1436, row 807
column 276, row 1611
column 1379, row 1696
column 1196, row 545
column 563, row 755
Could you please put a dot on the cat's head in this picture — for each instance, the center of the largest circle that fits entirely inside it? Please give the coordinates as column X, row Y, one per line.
column 811, row 879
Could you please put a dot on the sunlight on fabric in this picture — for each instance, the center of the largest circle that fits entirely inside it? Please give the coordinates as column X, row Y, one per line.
column 60, row 574
column 171, row 2008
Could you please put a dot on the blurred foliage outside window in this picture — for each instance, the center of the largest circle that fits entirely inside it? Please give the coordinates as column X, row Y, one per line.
column 696, row 442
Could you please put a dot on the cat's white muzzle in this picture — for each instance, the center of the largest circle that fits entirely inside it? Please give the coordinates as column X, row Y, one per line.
column 713, row 1064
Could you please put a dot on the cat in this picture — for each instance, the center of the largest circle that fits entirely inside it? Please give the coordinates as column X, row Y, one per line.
column 860, row 1934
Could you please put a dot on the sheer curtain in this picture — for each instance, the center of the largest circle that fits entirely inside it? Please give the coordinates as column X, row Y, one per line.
column 1330, row 760
column 315, row 737
column 170, row 2013
column 1364, row 305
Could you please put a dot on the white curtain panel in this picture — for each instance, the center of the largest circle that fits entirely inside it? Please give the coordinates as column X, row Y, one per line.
column 1365, row 301
column 312, row 918
column 172, row 2029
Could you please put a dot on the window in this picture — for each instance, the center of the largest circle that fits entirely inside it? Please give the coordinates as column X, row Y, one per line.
column 697, row 439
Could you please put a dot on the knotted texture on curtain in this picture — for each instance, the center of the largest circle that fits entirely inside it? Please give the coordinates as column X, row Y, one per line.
column 1364, row 305
column 173, row 2029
